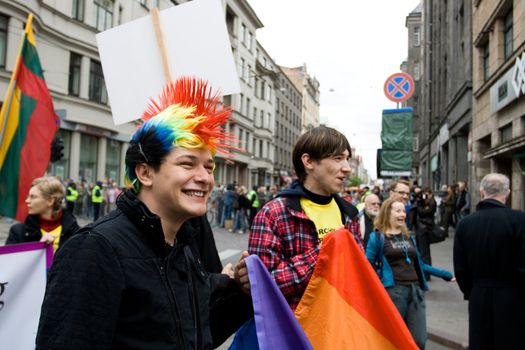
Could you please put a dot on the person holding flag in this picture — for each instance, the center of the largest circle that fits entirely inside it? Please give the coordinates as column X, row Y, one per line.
column 135, row 279
column 287, row 231
column 28, row 123
column 47, row 220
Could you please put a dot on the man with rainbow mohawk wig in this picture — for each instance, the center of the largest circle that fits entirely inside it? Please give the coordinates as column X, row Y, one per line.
column 134, row 279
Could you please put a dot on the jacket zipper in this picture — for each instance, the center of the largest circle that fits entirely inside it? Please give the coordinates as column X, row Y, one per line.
column 196, row 318
column 173, row 300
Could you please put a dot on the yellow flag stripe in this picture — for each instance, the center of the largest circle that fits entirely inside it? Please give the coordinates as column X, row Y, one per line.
column 11, row 124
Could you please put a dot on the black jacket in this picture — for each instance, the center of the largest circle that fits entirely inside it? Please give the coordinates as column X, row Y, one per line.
column 29, row 231
column 229, row 307
column 116, row 285
column 489, row 265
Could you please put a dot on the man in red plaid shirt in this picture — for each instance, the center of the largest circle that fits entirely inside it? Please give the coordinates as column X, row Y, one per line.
column 286, row 233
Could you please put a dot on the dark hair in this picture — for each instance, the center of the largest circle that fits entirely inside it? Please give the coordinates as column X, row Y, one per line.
column 319, row 143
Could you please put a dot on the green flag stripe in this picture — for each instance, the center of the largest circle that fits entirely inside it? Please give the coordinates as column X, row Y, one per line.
column 31, row 60
column 10, row 173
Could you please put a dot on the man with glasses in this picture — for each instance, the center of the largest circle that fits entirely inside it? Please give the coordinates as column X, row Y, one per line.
column 367, row 216
column 400, row 190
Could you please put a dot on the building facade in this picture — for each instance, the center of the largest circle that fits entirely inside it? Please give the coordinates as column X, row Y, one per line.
column 94, row 148
column 309, row 86
column 287, row 127
column 498, row 124
column 444, row 98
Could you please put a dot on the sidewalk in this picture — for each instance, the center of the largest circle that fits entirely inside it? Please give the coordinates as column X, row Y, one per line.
column 447, row 312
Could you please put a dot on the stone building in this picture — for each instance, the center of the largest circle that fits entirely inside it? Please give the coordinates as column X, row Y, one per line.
column 498, row 123
column 444, row 98
column 309, row 87
column 287, row 127
column 94, row 148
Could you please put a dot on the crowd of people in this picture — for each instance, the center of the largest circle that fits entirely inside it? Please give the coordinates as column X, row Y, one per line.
column 146, row 274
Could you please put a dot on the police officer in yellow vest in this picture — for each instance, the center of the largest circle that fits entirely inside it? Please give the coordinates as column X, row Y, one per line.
column 96, row 199
column 253, row 198
column 71, row 197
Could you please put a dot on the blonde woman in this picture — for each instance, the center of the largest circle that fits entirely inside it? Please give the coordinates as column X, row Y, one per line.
column 394, row 255
column 47, row 221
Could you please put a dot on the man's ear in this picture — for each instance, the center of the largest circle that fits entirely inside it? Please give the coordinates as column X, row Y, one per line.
column 307, row 161
column 482, row 194
column 144, row 174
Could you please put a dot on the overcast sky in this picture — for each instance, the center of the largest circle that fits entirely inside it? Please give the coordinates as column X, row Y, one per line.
column 351, row 47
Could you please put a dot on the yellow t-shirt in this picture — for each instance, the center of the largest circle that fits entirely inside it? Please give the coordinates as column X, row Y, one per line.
column 56, row 232
column 326, row 217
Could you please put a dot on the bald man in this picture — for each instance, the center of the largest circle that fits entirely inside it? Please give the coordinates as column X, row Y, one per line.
column 367, row 216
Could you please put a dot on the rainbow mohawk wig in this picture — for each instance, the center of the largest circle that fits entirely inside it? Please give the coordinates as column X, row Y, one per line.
column 187, row 114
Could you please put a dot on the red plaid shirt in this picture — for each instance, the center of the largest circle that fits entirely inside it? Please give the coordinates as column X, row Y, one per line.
column 286, row 241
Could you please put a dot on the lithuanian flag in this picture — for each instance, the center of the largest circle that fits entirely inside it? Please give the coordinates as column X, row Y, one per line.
column 28, row 123
column 345, row 306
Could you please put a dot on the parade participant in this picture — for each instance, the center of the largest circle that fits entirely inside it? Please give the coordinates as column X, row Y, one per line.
column 71, row 197
column 393, row 254
column 47, row 221
column 489, row 262
column 462, row 201
column 134, row 279
column 287, row 231
column 449, row 203
column 97, row 198
column 399, row 190
column 425, row 212
column 367, row 216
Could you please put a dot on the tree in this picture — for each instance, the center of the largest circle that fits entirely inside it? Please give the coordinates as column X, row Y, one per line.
column 354, row 181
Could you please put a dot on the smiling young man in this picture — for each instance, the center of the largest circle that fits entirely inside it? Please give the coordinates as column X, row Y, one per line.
column 134, row 279
column 287, row 231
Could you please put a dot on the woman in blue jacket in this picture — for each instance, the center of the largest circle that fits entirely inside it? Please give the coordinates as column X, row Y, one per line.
column 393, row 254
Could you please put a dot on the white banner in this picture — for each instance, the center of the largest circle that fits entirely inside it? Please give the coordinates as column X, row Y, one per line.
column 23, row 273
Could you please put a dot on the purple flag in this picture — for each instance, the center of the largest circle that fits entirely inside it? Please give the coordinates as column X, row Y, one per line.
column 277, row 327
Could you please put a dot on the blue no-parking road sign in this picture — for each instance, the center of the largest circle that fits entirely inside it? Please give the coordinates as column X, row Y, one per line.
column 399, row 87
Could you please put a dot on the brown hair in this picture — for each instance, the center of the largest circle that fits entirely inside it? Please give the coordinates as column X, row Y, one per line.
column 319, row 143
column 393, row 184
column 382, row 221
column 51, row 187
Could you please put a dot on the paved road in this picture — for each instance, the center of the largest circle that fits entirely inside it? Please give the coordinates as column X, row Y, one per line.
column 447, row 316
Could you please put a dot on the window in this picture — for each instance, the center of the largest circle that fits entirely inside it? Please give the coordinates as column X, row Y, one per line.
column 243, row 74
column 112, row 160
column 250, row 39
column 485, row 60
column 260, row 148
column 103, row 14
column 241, row 134
column 255, row 114
column 97, row 88
column 74, row 73
column 87, row 167
column 78, row 10
column 506, row 133
column 3, row 39
column 243, row 34
column 241, row 104
column 508, row 45
column 247, row 113
column 417, row 36
column 417, row 73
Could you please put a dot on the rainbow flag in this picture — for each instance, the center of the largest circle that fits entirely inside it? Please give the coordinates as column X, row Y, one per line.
column 28, row 123
column 345, row 306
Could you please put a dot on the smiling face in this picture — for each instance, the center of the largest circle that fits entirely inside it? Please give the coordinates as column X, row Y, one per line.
column 328, row 175
column 38, row 204
column 183, row 183
column 397, row 216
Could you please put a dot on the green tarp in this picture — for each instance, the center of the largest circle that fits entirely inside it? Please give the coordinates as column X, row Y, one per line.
column 396, row 130
column 395, row 157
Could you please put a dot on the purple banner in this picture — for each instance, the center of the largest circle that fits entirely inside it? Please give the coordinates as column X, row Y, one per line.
column 26, row 247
